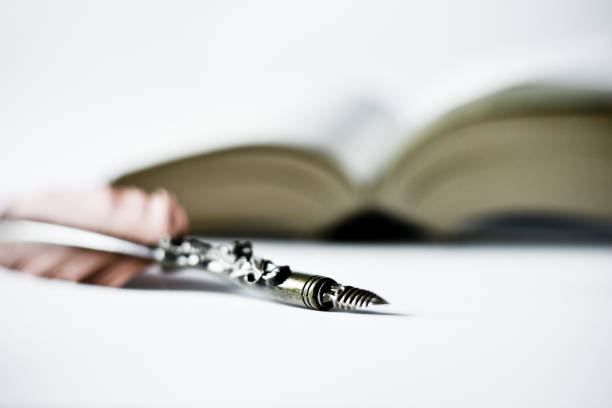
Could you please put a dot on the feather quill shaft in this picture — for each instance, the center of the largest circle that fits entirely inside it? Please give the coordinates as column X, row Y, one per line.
column 99, row 236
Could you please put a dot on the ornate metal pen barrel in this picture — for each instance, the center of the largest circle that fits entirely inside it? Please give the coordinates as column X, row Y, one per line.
column 238, row 263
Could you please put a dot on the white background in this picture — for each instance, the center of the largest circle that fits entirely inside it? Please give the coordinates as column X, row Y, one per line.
column 91, row 89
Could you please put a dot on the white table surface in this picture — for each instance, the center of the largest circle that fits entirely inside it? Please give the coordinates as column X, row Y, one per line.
column 469, row 326
column 92, row 89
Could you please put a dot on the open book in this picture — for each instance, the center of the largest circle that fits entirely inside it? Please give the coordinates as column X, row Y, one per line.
column 528, row 150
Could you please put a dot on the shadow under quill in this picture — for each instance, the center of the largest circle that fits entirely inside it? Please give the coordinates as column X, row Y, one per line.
column 156, row 279
column 374, row 312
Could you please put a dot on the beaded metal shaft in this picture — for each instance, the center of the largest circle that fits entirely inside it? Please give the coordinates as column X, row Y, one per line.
column 238, row 263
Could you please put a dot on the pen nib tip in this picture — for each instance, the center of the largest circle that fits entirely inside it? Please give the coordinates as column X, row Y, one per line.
column 350, row 298
column 377, row 300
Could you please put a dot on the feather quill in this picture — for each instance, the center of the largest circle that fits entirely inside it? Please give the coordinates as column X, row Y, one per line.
column 126, row 213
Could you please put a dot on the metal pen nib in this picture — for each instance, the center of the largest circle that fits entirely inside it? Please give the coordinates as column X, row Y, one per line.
column 350, row 298
column 321, row 293
column 235, row 262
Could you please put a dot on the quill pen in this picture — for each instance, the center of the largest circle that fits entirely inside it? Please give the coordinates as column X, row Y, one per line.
column 108, row 236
